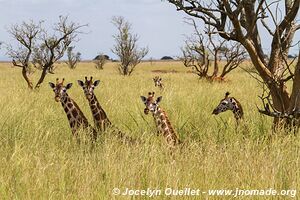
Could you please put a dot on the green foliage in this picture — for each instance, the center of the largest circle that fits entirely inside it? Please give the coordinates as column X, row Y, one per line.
column 126, row 48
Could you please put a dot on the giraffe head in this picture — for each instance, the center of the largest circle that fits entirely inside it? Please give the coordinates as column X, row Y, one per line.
column 229, row 103
column 88, row 87
column 157, row 81
column 59, row 89
column 150, row 103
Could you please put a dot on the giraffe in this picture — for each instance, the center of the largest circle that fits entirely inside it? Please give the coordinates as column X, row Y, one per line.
column 161, row 119
column 158, row 82
column 230, row 103
column 101, row 120
column 75, row 116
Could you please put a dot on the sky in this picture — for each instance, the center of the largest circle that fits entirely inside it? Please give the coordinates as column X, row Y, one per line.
column 157, row 23
column 159, row 26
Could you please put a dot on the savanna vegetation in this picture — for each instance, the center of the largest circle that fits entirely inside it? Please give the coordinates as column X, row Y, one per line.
column 245, row 22
column 41, row 160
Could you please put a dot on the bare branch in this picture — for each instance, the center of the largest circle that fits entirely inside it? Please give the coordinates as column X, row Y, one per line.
column 126, row 47
column 36, row 48
column 237, row 20
column 199, row 47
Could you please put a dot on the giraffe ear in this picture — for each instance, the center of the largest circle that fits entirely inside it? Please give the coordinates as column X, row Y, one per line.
column 96, row 82
column 144, row 99
column 69, row 85
column 80, row 83
column 52, row 85
column 158, row 99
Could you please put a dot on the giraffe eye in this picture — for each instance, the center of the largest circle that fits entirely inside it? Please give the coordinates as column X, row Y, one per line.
column 224, row 103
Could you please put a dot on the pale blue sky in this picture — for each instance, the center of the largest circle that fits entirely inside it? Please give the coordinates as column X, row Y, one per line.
column 157, row 22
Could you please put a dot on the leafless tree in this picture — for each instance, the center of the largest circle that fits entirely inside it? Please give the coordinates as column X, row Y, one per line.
column 73, row 58
column 39, row 49
column 126, row 47
column 26, row 36
column 54, row 46
column 238, row 20
column 202, row 51
column 100, row 61
column 196, row 56
column 233, row 55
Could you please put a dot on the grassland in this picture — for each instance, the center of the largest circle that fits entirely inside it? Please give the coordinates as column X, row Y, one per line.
column 40, row 159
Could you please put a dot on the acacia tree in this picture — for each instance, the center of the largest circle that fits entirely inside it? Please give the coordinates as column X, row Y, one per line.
column 238, row 20
column 73, row 58
column 199, row 48
column 126, row 47
column 37, row 48
column 100, row 61
column 26, row 36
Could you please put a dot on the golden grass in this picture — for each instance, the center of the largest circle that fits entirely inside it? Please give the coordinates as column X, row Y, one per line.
column 41, row 160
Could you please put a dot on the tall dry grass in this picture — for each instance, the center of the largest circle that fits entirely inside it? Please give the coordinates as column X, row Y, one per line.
column 41, row 160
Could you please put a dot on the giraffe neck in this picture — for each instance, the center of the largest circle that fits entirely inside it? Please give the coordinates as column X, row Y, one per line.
column 237, row 110
column 237, row 114
column 100, row 118
column 75, row 116
column 164, row 126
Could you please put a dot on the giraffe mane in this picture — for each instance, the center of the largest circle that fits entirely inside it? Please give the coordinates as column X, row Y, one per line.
column 239, row 105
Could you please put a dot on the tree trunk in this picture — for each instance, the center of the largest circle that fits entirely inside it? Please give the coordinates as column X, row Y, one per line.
column 281, row 102
column 279, row 93
column 295, row 95
column 42, row 77
column 28, row 81
column 216, row 65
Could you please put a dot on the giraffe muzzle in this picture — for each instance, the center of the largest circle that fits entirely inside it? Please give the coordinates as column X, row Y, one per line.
column 57, row 99
column 215, row 112
column 146, row 111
